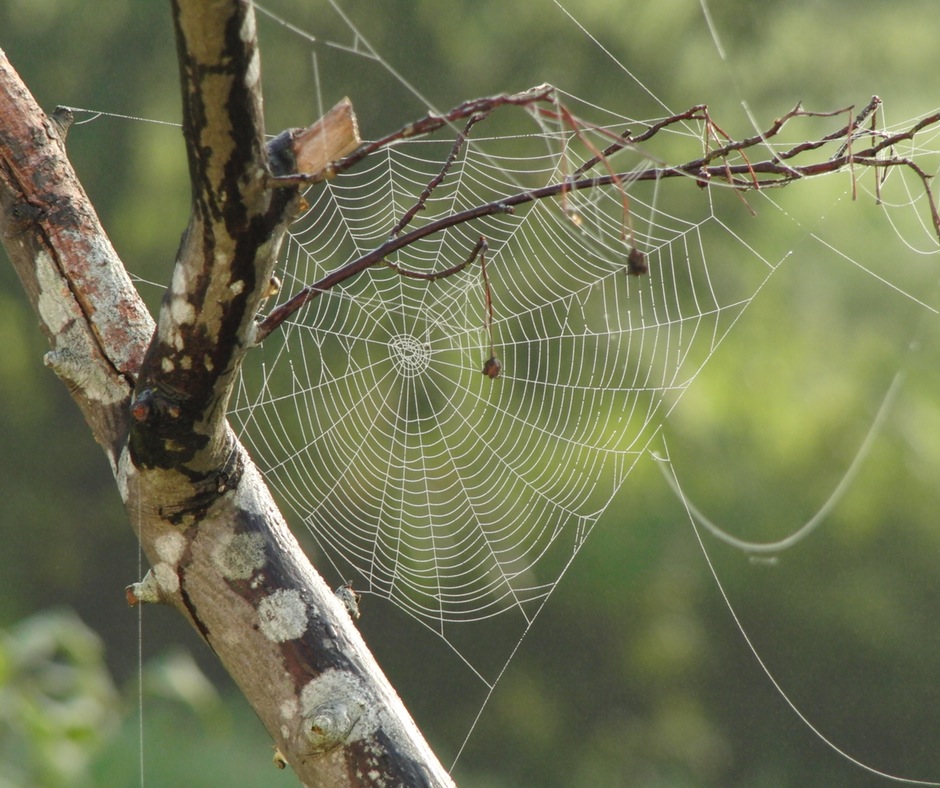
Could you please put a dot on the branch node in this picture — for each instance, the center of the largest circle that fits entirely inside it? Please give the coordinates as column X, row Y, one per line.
column 142, row 406
column 151, row 402
column 350, row 599
column 146, row 591
column 329, row 724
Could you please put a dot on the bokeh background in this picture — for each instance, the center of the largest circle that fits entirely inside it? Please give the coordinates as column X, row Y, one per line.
column 635, row 673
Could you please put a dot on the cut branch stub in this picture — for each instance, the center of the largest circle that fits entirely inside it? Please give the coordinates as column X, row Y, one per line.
column 330, row 138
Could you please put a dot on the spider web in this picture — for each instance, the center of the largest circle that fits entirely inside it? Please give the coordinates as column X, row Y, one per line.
column 457, row 496
column 439, row 486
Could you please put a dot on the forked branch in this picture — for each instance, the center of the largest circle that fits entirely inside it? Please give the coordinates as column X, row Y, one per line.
column 155, row 397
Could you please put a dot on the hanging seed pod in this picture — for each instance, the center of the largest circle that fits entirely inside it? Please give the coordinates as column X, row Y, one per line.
column 492, row 368
column 636, row 263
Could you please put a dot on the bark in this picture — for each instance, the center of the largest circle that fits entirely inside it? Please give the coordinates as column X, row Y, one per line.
column 155, row 398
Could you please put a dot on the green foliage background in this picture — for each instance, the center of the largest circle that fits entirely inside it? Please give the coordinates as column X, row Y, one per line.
column 635, row 674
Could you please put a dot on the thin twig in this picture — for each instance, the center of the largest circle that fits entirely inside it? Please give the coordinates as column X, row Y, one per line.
column 438, row 179
column 477, row 251
column 563, row 114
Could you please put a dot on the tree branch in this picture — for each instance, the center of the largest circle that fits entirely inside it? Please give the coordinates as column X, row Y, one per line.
column 775, row 171
column 96, row 324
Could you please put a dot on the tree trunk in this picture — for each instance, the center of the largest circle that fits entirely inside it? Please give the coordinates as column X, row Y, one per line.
column 155, row 398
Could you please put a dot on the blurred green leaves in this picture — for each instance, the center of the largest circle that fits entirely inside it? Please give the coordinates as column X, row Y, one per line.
column 58, row 704
column 63, row 722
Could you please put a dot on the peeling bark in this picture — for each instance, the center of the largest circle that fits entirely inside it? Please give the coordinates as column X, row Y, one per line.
column 155, row 397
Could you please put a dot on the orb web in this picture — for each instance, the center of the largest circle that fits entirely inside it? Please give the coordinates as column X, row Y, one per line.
column 456, row 495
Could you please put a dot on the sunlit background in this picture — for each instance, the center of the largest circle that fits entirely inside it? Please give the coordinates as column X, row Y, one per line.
column 635, row 673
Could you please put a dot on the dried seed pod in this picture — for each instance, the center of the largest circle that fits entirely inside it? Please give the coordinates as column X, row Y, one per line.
column 636, row 263
column 492, row 368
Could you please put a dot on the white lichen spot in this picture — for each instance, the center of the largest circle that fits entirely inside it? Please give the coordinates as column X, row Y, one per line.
column 79, row 371
column 282, row 615
column 239, row 556
column 54, row 294
column 253, row 72
column 237, row 287
column 182, row 311
column 247, row 32
column 167, row 365
column 257, row 580
column 75, row 355
column 248, row 497
column 125, row 470
column 251, row 335
column 167, row 578
column 170, row 547
column 163, row 325
column 178, row 285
